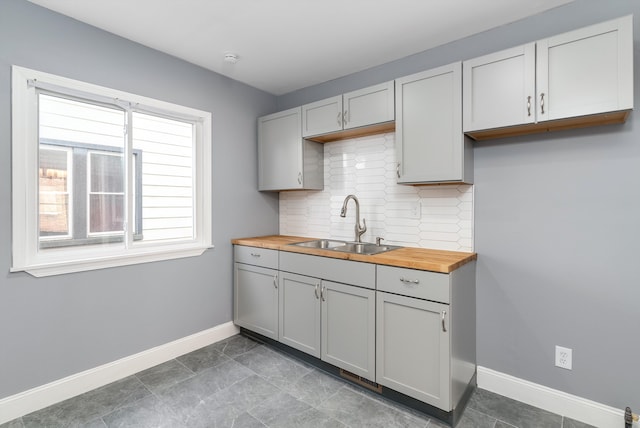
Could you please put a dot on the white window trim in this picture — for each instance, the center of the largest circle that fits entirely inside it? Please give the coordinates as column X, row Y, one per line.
column 25, row 239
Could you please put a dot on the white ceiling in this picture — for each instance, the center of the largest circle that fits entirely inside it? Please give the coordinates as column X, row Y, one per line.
column 284, row 45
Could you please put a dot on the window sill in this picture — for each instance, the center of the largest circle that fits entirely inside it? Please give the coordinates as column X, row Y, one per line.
column 60, row 268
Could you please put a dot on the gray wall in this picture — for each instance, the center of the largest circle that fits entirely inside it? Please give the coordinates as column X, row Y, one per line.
column 54, row 327
column 556, row 226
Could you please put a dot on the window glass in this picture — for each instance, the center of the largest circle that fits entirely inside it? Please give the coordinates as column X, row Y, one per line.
column 106, row 195
column 53, row 180
column 167, row 176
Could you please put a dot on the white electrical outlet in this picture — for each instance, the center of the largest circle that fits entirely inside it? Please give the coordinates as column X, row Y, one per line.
column 415, row 211
column 564, row 357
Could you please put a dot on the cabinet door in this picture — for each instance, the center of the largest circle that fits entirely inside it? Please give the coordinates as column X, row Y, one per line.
column 280, row 151
column 499, row 89
column 322, row 116
column 412, row 348
column 300, row 312
column 369, row 106
column 429, row 139
column 255, row 299
column 586, row 71
column 348, row 328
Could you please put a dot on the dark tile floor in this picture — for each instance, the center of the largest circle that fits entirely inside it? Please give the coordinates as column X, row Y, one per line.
column 240, row 383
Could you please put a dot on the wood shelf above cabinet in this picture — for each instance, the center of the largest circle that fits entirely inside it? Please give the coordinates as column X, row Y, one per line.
column 379, row 128
column 611, row 118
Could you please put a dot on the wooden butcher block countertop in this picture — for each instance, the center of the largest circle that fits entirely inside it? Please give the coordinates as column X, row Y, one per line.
column 408, row 257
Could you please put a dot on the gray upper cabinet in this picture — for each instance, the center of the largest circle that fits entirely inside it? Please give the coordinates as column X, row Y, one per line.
column 285, row 160
column 430, row 145
column 322, row 117
column 364, row 107
column 576, row 79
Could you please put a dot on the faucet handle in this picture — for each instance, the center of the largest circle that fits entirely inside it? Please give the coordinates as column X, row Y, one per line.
column 379, row 240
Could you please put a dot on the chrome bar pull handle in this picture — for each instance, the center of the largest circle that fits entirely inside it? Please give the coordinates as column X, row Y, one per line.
column 409, row 281
column 542, row 103
column 315, row 291
column 529, row 105
column 299, row 178
column 324, row 288
column 255, row 254
column 345, row 117
column 398, row 170
column 275, row 281
column 339, row 118
column 444, row 328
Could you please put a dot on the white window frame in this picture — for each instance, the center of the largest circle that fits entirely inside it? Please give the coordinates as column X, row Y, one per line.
column 26, row 255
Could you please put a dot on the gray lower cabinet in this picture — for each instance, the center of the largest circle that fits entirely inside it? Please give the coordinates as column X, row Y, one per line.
column 331, row 321
column 425, row 333
column 408, row 330
column 255, row 290
column 413, row 348
column 348, row 328
column 327, row 309
column 299, row 317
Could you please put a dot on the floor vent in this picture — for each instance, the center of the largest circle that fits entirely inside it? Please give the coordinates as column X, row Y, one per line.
column 361, row 381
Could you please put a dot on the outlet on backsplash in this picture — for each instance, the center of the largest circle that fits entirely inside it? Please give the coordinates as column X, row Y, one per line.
column 438, row 217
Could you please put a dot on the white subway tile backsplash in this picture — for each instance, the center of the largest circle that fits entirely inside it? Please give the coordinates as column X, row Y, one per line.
column 438, row 217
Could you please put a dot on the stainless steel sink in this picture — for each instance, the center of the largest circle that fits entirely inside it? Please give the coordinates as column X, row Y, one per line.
column 326, row 244
column 347, row 247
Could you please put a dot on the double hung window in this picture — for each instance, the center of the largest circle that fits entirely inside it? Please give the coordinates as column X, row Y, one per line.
column 104, row 178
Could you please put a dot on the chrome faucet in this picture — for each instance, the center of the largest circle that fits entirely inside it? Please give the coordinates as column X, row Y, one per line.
column 343, row 213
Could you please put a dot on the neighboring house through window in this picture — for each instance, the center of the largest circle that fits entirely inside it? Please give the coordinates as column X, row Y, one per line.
column 121, row 179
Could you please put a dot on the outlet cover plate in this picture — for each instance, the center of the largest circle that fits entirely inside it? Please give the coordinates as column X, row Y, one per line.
column 564, row 357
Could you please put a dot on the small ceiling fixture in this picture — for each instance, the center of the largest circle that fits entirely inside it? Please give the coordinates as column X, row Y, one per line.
column 231, row 57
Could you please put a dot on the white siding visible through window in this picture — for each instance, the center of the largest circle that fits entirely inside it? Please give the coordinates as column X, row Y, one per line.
column 80, row 122
column 166, row 147
column 167, row 176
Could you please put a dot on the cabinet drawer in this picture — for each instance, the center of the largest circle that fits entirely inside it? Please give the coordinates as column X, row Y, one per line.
column 345, row 271
column 414, row 283
column 256, row 256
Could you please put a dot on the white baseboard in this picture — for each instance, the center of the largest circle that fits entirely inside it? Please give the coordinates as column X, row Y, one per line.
column 42, row 396
column 552, row 400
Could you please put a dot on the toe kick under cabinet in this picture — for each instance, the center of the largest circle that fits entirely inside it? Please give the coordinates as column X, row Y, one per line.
column 407, row 331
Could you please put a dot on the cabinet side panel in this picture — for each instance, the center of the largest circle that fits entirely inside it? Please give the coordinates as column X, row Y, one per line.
column 463, row 328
